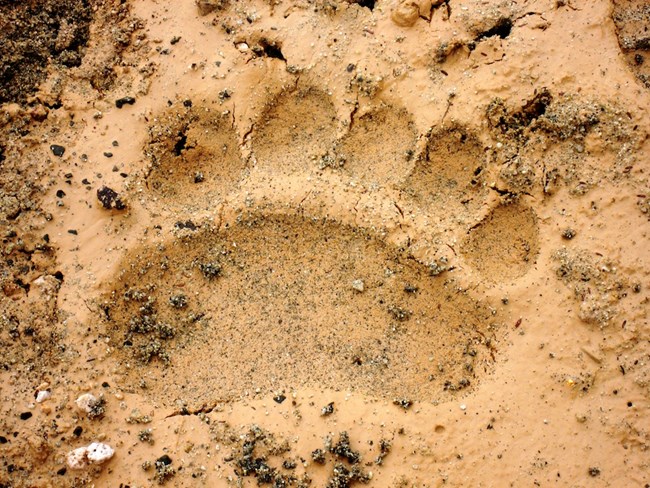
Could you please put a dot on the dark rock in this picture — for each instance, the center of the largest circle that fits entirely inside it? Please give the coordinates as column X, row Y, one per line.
column 57, row 150
column 26, row 415
column 164, row 460
column 110, row 199
column 279, row 398
column 120, row 102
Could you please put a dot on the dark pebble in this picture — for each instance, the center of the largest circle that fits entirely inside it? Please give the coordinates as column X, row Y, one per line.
column 78, row 430
column 350, row 68
column 108, row 154
column 327, row 409
column 115, row 143
column 164, row 460
column 60, row 194
column 279, row 398
column 120, row 102
column 105, row 385
column 57, row 150
column 61, row 471
column 124, row 175
column 3, row 439
column 568, row 234
column 110, row 199
column 26, row 415
column 85, row 181
column 187, row 103
column 186, row 225
column 73, row 232
column 593, row 471
column 68, row 176
column 175, row 40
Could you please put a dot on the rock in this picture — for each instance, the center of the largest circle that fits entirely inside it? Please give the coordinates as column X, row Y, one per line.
column 120, row 102
column 57, row 150
column 406, row 13
column 86, row 402
column 358, row 285
column 208, row 6
column 99, row 452
column 43, row 395
column 110, row 199
column 96, row 453
column 78, row 458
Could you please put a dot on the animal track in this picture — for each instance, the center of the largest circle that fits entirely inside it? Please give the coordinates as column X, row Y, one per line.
column 297, row 127
column 367, row 154
column 288, row 294
column 447, row 179
column 505, row 244
column 194, row 156
column 331, row 305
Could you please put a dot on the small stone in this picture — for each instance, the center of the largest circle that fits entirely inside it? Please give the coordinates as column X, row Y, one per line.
column 568, row 234
column 78, row 458
column 327, row 409
column 99, row 452
column 57, row 150
column 96, row 453
column 358, row 285
column 594, row 471
column 108, row 154
column 279, row 398
column 86, row 402
column 120, row 102
column 463, row 407
column 242, row 46
column 110, row 199
column 43, row 395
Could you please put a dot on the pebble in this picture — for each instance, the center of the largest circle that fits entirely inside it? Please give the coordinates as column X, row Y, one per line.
column 43, row 395
column 120, row 102
column 96, row 453
column 86, row 402
column 57, row 150
column 358, row 285
column 242, row 46
column 463, row 407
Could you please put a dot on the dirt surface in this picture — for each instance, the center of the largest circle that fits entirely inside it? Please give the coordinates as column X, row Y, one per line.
column 324, row 243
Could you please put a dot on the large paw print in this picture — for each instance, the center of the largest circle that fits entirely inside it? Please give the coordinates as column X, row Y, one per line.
column 326, row 304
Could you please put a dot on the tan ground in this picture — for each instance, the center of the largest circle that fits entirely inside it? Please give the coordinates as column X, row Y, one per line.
column 418, row 229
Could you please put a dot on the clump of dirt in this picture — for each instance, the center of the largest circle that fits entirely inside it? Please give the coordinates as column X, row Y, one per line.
column 546, row 142
column 33, row 35
column 595, row 283
column 632, row 18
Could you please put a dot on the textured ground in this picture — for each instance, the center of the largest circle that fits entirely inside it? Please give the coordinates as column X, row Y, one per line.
column 325, row 243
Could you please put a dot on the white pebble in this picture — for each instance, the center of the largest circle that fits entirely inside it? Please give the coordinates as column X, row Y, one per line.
column 99, row 452
column 43, row 395
column 242, row 46
column 463, row 407
column 86, row 402
column 78, row 458
column 358, row 285
column 96, row 453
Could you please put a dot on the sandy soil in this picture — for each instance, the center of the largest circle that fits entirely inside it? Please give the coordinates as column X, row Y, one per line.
column 325, row 243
